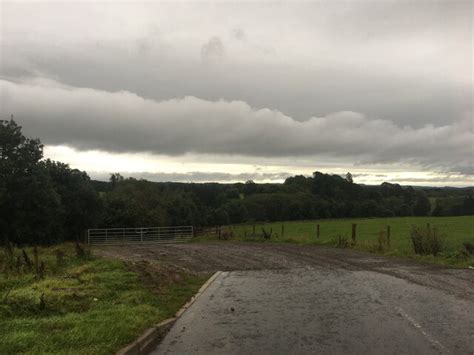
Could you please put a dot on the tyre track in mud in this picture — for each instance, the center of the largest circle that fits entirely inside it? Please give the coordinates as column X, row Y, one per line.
column 230, row 256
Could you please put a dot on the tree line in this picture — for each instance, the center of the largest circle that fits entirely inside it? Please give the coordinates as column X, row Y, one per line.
column 45, row 202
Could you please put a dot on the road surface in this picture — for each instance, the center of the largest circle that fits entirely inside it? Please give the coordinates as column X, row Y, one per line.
column 321, row 310
column 282, row 299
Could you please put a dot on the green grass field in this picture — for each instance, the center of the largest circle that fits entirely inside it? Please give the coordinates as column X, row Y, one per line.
column 86, row 305
column 455, row 231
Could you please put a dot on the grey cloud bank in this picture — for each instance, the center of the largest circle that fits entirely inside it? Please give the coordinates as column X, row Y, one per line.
column 124, row 122
column 358, row 83
column 410, row 63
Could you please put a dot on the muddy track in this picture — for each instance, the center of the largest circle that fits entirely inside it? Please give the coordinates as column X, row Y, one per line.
column 229, row 256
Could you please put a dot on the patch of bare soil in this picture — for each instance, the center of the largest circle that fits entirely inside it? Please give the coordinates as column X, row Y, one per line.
column 205, row 258
column 156, row 275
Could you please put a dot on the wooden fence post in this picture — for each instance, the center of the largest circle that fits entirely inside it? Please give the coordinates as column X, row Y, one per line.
column 388, row 236
column 254, row 229
column 317, row 231
column 354, row 228
column 282, row 230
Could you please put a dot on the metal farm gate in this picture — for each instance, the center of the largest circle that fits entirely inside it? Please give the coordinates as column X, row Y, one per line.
column 108, row 236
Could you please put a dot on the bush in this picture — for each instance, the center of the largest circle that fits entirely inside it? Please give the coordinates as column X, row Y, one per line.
column 267, row 234
column 82, row 252
column 469, row 247
column 426, row 240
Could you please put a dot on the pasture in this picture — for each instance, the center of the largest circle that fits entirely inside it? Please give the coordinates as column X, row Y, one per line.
column 454, row 231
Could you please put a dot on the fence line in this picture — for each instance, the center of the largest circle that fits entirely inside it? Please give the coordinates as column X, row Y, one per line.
column 110, row 236
column 216, row 230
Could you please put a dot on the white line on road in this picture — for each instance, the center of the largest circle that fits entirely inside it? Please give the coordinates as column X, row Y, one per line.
column 429, row 337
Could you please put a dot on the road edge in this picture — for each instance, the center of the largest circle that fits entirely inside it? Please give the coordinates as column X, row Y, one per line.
column 152, row 336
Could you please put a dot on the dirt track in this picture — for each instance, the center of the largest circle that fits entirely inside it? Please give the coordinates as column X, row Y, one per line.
column 230, row 256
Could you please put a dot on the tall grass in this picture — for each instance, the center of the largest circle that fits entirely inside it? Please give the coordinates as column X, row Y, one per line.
column 82, row 304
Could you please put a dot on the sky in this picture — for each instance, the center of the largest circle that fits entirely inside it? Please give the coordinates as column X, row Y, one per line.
column 232, row 91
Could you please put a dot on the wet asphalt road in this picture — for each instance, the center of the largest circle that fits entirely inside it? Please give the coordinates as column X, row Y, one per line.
column 324, row 311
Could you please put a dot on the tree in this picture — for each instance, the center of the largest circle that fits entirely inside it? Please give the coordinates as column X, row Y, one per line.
column 468, row 206
column 220, row 217
column 115, row 179
column 236, row 211
column 349, row 178
column 250, row 187
column 422, row 205
column 28, row 202
column 79, row 201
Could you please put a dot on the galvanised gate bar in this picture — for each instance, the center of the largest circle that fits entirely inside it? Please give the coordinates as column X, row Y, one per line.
column 109, row 236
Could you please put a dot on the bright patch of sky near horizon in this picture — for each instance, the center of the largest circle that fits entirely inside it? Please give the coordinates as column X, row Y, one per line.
column 221, row 91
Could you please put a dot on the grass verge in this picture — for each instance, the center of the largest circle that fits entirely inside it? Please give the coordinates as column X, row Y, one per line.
column 84, row 304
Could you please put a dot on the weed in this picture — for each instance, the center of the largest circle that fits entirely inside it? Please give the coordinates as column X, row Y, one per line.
column 9, row 249
column 267, row 234
column 226, row 235
column 342, row 242
column 26, row 259
column 35, row 257
column 461, row 254
column 426, row 240
column 383, row 242
column 82, row 252
column 5, row 296
column 7, row 261
column 42, row 303
column 9, row 254
column 469, row 247
column 59, row 255
column 39, row 271
column 18, row 264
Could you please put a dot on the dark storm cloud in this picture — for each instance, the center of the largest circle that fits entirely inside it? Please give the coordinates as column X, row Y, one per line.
column 125, row 122
column 397, row 61
column 363, row 82
column 298, row 92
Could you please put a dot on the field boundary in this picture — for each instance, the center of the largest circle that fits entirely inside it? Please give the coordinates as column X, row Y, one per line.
column 152, row 336
column 113, row 236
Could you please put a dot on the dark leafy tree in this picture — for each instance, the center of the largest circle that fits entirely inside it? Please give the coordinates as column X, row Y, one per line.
column 422, row 206
column 42, row 201
column 28, row 202
column 250, row 187
column 80, row 205
column 115, row 178
column 349, row 178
